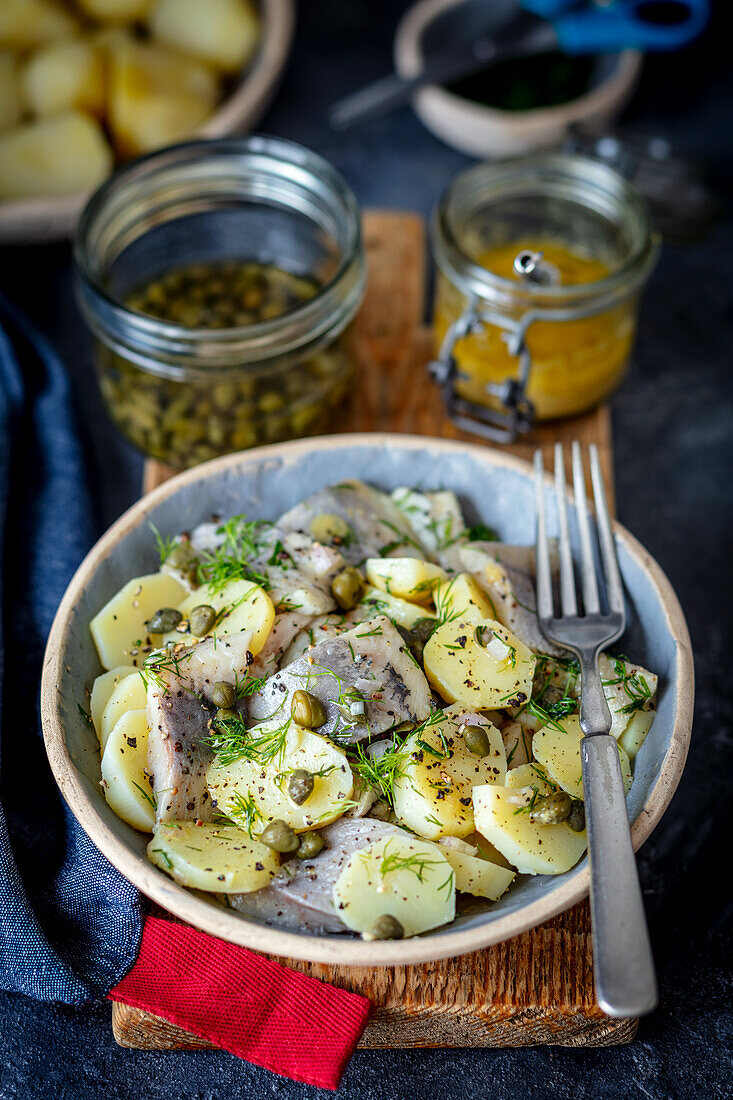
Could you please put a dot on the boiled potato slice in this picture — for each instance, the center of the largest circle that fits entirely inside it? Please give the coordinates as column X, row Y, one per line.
column 262, row 783
column 488, row 851
column 477, row 876
column 629, row 690
column 240, row 606
column 27, row 23
column 119, row 629
column 11, row 107
column 479, row 663
column 529, row 775
column 635, row 733
column 155, row 97
column 129, row 694
column 461, row 598
column 125, row 781
column 115, row 11
column 103, row 687
column 219, row 858
column 502, row 816
column 407, row 578
column 401, row 612
column 64, row 75
column 432, row 790
column 222, row 32
column 557, row 748
column 403, row 877
column 62, row 155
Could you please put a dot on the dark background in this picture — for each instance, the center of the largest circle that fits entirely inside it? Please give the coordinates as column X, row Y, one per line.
column 672, row 425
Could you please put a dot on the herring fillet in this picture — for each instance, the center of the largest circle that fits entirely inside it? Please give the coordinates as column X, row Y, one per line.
column 298, row 570
column 287, row 627
column 179, row 721
column 370, row 660
column 301, row 896
column 378, row 526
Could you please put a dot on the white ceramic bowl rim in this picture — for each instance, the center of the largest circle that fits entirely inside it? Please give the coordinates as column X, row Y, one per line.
column 221, row 922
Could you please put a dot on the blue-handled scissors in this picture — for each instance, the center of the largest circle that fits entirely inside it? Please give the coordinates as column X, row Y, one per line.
column 623, row 24
column 492, row 30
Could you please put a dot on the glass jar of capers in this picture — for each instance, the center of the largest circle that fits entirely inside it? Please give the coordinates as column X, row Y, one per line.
column 220, row 280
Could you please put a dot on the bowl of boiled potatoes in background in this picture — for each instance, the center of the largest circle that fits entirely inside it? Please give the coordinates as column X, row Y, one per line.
column 88, row 84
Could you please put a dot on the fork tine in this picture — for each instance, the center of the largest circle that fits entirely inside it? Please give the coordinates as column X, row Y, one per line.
column 567, row 576
column 544, row 576
column 591, row 602
column 614, row 587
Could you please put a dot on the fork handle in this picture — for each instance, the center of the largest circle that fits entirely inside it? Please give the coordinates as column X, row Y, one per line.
column 625, row 981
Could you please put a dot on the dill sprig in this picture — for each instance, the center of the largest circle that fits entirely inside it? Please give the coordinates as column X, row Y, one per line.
column 433, row 719
column 228, row 737
column 403, row 539
column 244, row 811
column 231, row 741
column 165, row 543
column 148, row 796
column 415, row 862
column 231, row 560
column 381, row 772
column 533, row 707
column 86, row 716
column 529, row 806
column 248, row 685
column 633, row 683
column 480, row 532
column 163, row 663
column 562, row 708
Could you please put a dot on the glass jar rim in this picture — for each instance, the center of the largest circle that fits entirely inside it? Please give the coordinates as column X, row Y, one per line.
column 309, row 317
column 550, row 174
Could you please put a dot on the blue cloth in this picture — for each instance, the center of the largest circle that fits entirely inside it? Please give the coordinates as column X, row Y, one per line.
column 69, row 923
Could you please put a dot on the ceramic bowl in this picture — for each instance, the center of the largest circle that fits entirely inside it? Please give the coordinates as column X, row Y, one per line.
column 40, row 220
column 487, row 132
column 495, row 488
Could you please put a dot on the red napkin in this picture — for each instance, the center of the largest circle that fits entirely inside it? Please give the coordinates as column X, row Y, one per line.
column 244, row 1003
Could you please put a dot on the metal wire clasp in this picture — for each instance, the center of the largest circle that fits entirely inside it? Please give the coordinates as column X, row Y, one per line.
column 516, row 416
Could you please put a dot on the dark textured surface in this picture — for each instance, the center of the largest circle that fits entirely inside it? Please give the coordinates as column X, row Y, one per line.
column 674, row 469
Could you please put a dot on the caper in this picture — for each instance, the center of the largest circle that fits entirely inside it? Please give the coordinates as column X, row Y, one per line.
column 163, row 620
column 576, row 817
column 183, row 423
column 202, row 619
column 310, row 845
column 224, row 713
column 387, row 927
column 306, row 710
column 417, row 636
column 348, row 588
column 329, row 527
column 300, row 786
column 552, row 809
column 223, row 695
column 280, row 837
column 477, row 740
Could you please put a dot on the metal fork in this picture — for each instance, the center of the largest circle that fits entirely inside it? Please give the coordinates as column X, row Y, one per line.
column 624, row 969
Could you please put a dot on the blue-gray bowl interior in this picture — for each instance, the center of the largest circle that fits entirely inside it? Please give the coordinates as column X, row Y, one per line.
column 496, row 495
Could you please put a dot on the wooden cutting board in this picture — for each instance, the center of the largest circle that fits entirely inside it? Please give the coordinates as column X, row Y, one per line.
column 538, row 987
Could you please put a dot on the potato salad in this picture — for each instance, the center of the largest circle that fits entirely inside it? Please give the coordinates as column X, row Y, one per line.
column 347, row 720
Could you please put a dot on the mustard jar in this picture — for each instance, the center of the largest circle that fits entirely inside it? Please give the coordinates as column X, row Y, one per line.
column 540, row 265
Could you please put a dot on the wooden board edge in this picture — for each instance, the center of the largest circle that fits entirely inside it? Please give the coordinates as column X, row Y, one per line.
column 569, row 1026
